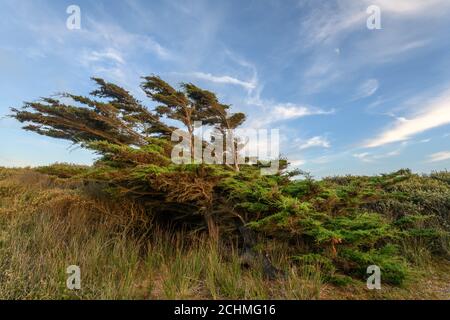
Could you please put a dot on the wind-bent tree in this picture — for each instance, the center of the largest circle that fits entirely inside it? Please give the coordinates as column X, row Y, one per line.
column 128, row 136
column 191, row 104
column 135, row 147
column 336, row 223
column 115, row 116
column 225, row 123
column 112, row 116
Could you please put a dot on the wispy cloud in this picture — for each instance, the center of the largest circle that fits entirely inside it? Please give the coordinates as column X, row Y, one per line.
column 327, row 21
column 330, row 24
column 330, row 21
column 248, row 85
column 297, row 163
column 408, row 7
column 435, row 114
column 369, row 157
column 121, row 39
column 277, row 112
column 364, row 156
column 289, row 111
column 317, row 141
column 367, row 89
column 271, row 111
column 108, row 62
column 107, row 54
column 439, row 156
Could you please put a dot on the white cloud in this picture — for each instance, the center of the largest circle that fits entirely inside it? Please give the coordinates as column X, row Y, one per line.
column 121, row 39
column 291, row 111
column 52, row 37
column 248, row 85
column 326, row 22
column 367, row 89
column 364, row 156
column 104, row 49
column 439, row 156
column 398, row 47
column 275, row 112
column 296, row 163
column 368, row 157
column 271, row 110
column 408, row 6
column 389, row 154
column 108, row 63
column 315, row 142
column 330, row 23
column 107, row 54
column 435, row 114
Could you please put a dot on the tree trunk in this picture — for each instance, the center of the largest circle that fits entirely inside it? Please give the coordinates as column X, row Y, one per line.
column 236, row 156
column 191, row 142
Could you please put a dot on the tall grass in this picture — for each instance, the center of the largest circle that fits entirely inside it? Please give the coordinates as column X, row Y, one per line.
column 47, row 224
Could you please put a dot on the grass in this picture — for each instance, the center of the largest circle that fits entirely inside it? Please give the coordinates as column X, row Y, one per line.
column 47, row 224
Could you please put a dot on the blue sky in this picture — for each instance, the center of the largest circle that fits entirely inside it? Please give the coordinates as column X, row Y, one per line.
column 346, row 99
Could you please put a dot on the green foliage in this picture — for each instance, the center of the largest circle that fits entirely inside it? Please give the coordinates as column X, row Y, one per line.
column 339, row 225
column 394, row 269
column 353, row 222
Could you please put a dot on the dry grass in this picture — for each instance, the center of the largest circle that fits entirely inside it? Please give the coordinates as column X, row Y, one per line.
column 47, row 224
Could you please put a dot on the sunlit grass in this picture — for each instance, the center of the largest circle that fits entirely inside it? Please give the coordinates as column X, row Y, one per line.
column 47, row 224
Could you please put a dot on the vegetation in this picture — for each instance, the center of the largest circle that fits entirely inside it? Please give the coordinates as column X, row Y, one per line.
column 136, row 222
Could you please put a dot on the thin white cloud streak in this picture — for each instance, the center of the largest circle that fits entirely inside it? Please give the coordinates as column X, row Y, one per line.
column 439, row 156
column 363, row 156
column 271, row 111
column 105, row 47
column 289, row 111
column 436, row 114
column 276, row 112
column 224, row 79
column 109, row 54
column 317, row 141
column 123, row 40
column 408, row 7
column 328, row 24
column 368, row 157
column 395, row 49
column 297, row 163
column 52, row 37
column 367, row 89
column 329, row 20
